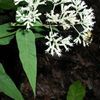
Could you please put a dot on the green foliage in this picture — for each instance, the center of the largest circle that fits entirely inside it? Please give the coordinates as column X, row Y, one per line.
column 38, row 26
column 6, row 4
column 27, row 52
column 76, row 91
column 7, row 86
column 37, row 35
column 5, row 36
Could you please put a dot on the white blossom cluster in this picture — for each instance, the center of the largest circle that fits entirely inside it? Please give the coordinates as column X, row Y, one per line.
column 55, row 43
column 71, row 13
column 65, row 18
column 29, row 14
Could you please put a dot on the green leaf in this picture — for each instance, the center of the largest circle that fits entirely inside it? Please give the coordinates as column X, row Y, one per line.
column 5, row 36
column 37, row 23
column 27, row 52
column 37, row 35
column 8, row 87
column 38, row 27
column 6, row 4
column 76, row 91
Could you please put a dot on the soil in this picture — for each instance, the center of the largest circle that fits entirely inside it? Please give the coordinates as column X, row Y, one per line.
column 55, row 74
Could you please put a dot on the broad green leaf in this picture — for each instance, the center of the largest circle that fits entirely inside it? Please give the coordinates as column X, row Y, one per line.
column 76, row 91
column 8, row 87
column 5, row 36
column 27, row 52
column 6, row 4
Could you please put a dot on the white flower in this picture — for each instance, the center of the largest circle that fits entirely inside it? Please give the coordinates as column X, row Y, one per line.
column 26, row 16
column 65, row 1
column 68, row 17
column 87, row 18
column 17, row 1
column 19, row 16
column 29, row 14
column 64, row 24
column 67, row 42
column 35, row 15
column 55, row 43
column 79, row 5
column 65, row 19
column 65, row 8
column 77, row 40
column 28, row 21
column 53, row 18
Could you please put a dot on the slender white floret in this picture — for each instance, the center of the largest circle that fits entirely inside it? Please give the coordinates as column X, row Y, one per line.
column 67, row 42
column 79, row 5
column 53, row 18
column 17, row 1
column 77, row 40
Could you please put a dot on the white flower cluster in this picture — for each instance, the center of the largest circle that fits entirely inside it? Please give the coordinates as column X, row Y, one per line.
column 76, row 12
column 55, row 43
column 65, row 19
column 86, row 21
column 71, row 13
column 29, row 14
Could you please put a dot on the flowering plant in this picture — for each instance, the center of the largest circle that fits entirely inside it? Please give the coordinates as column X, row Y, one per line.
column 61, row 16
column 72, row 13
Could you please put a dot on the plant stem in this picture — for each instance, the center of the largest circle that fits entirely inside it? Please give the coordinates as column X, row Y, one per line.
column 4, row 36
